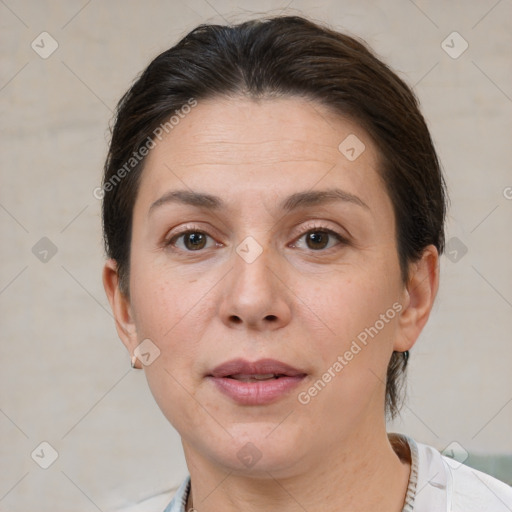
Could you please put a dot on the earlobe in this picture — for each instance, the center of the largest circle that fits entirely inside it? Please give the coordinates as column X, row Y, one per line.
column 120, row 305
column 419, row 296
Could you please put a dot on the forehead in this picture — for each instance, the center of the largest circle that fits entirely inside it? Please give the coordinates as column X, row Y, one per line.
column 270, row 146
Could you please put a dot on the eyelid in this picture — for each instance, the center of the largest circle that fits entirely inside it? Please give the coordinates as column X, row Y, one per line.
column 183, row 230
column 339, row 241
column 322, row 227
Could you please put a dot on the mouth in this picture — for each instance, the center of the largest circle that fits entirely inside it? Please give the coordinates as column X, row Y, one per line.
column 255, row 378
column 255, row 383
column 263, row 369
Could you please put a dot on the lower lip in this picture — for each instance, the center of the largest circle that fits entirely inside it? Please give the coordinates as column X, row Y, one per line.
column 256, row 393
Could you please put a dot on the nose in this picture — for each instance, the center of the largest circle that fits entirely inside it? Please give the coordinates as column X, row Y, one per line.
column 255, row 295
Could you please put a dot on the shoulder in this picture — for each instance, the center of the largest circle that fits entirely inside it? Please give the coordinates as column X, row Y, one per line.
column 474, row 490
column 448, row 485
column 171, row 500
column 155, row 502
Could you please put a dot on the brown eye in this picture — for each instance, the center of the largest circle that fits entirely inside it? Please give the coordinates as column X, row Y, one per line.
column 319, row 239
column 194, row 241
column 189, row 241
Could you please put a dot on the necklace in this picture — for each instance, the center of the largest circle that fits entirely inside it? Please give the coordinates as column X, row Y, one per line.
column 189, row 507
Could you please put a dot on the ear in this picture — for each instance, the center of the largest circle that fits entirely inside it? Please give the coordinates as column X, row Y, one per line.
column 121, row 308
column 418, row 298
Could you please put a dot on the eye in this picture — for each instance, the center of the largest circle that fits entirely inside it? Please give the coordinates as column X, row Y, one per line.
column 192, row 240
column 316, row 238
column 319, row 238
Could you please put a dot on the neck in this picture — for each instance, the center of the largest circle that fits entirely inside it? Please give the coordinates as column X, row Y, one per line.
column 360, row 474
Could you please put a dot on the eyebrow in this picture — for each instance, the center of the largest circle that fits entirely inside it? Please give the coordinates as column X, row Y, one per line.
column 293, row 202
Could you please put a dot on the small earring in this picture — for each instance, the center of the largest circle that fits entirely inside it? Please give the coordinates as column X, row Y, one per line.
column 134, row 362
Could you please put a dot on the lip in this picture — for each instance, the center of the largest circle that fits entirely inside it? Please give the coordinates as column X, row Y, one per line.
column 255, row 393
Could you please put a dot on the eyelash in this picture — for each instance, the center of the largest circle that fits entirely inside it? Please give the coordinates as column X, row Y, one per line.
column 315, row 228
column 319, row 228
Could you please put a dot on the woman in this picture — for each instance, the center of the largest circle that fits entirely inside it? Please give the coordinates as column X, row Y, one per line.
column 273, row 216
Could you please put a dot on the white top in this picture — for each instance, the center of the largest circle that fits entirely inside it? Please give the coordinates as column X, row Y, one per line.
column 436, row 484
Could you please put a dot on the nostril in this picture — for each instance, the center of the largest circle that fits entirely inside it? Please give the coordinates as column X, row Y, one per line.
column 271, row 317
column 235, row 319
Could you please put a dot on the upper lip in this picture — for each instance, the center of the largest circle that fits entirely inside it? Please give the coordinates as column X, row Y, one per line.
column 260, row 367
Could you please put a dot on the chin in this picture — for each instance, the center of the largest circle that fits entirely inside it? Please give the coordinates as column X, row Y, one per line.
column 258, row 449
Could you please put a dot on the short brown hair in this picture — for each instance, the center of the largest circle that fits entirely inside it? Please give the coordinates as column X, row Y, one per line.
column 285, row 56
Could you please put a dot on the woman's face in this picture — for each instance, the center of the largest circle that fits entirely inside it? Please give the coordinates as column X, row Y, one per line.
column 293, row 259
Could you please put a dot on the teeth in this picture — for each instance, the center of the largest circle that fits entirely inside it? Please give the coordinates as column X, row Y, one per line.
column 254, row 378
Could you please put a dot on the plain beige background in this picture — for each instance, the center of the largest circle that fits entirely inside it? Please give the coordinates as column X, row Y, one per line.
column 66, row 378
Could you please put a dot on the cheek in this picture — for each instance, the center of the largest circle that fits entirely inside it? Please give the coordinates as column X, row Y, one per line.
column 347, row 305
column 361, row 316
column 176, row 398
column 161, row 301
column 175, row 312
column 171, row 313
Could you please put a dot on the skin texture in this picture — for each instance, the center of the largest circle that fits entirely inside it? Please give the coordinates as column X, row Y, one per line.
column 295, row 302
